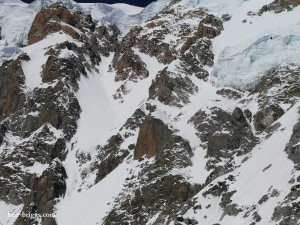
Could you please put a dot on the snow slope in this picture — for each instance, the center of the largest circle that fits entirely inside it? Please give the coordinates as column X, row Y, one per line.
column 230, row 45
column 11, row 209
column 37, row 53
column 101, row 117
column 128, row 9
column 253, row 181
column 244, row 52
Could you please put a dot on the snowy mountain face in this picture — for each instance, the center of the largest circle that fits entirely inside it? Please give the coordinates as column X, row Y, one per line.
column 184, row 112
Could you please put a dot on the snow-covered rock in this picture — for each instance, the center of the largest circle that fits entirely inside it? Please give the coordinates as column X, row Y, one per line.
column 184, row 112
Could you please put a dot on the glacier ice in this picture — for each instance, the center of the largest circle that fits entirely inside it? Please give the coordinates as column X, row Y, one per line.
column 242, row 69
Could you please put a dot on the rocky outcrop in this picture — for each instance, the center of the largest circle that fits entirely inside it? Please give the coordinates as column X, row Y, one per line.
column 171, row 89
column 128, row 65
column 279, row 5
column 223, row 131
column 169, row 37
column 45, row 192
column 219, row 142
column 57, row 18
column 160, row 180
column 15, row 185
column 225, row 141
column 11, row 79
column 110, row 157
column 3, row 130
column 209, row 27
column 41, row 148
column 279, row 85
column 287, row 212
column 196, row 52
column 173, row 193
column 153, row 138
column 197, row 56
column 169, row 151
column 223, row 135
column 293, row 147
column 266, row 116
column 134, row 122
column 229, row 93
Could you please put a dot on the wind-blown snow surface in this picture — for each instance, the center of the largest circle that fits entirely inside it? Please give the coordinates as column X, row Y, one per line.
column 128, row 9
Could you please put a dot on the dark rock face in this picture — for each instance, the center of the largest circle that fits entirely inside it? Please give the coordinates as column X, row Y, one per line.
column 287, row 213
column 221, row 190
column 220, row 142
column 136, row 120
column 232, row 130
column 128, row 65
column 279, row 5
column 231, row 210
column 47, row 188
column 154, row 191
column 150, row 46
column 229, row 93
column 195, row 56
column 56, row 68
column 223, row 135
column 108, row 34
column 53, row 19
column 171, row 89
column 153, row 138
column 217, row 190
column 170, row 151
column 209, row 27
column 42, row 148
column 3, row 130
column 279, row 85
column 14, row 185
column 44, row 121
column 293, row 147
column 196, row 51
column 11, row 79
column 239, row 118
column 266, row 116
column 173, row 193
column 111, row 156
